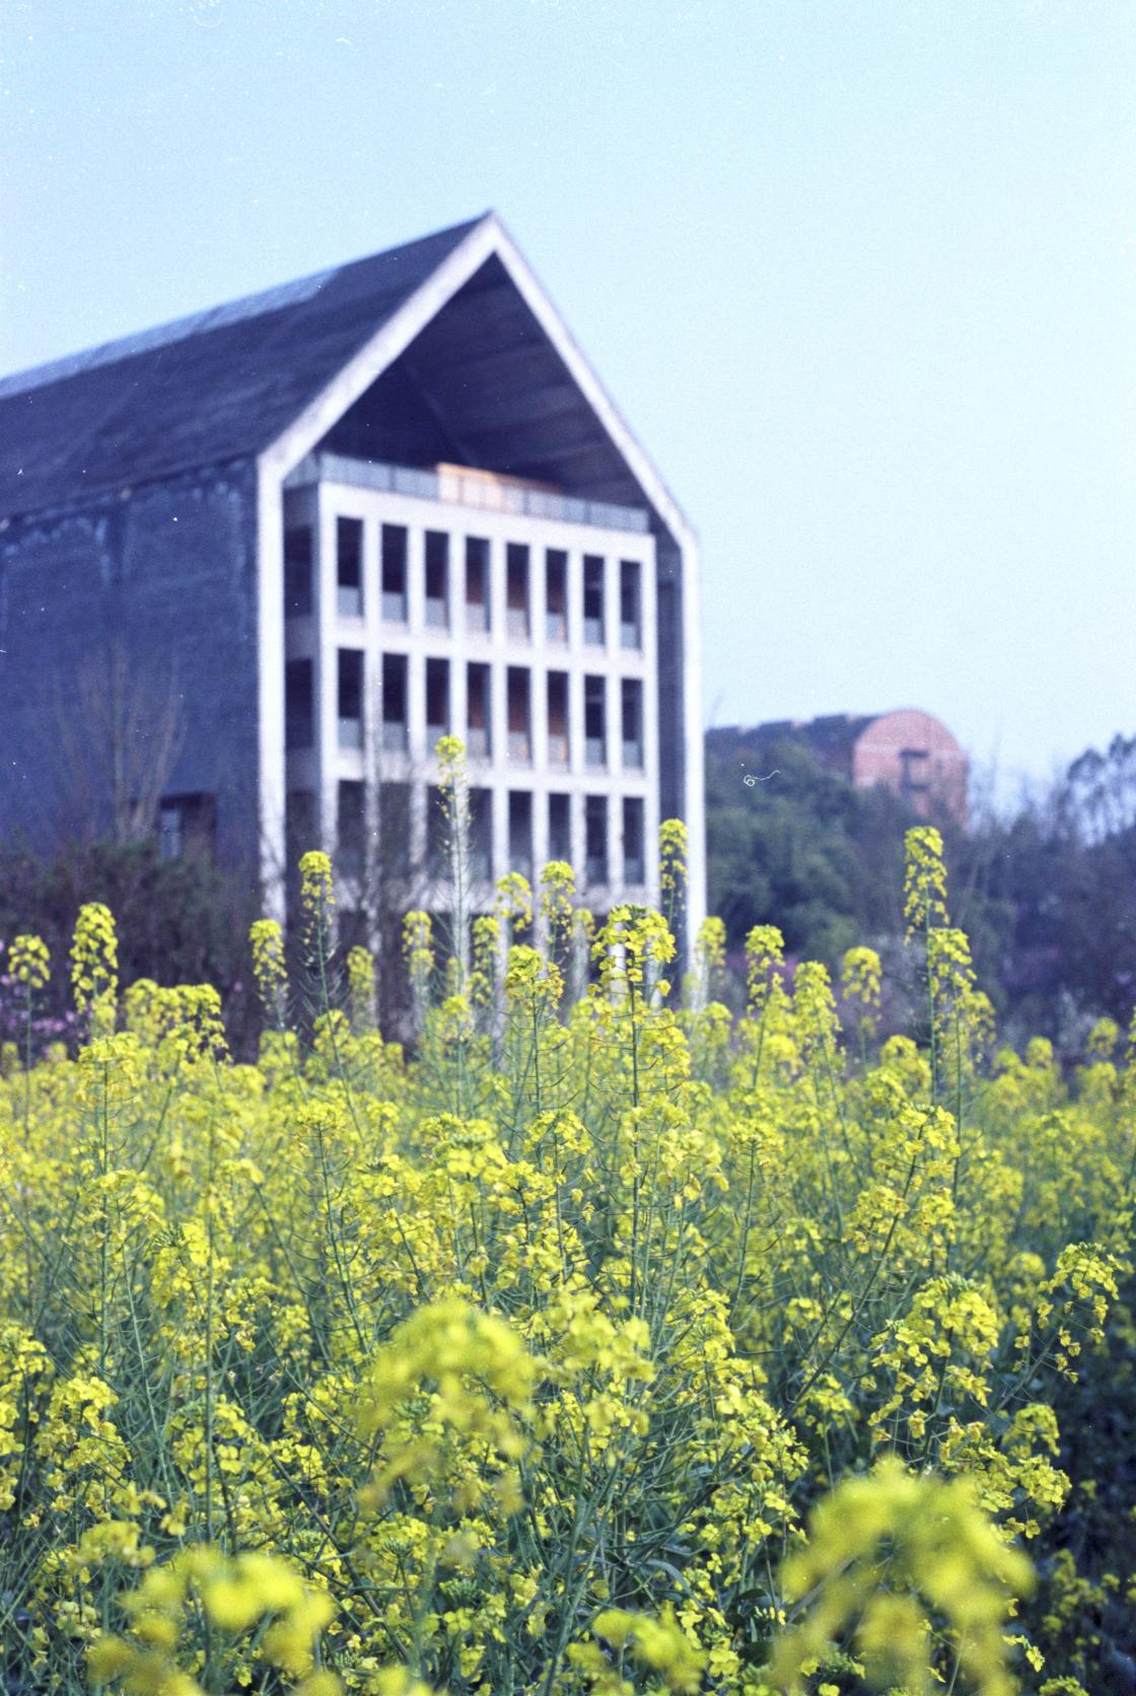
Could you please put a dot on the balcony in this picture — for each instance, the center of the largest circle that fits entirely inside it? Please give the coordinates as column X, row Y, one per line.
column 461, row 486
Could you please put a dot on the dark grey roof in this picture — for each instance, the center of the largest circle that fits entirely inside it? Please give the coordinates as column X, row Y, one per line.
column 216, row 386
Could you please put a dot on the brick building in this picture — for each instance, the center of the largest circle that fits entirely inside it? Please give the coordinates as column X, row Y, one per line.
column 908, row 751
column 339, row 519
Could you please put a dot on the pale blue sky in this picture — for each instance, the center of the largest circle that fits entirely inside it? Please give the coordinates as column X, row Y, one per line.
column 861, row 275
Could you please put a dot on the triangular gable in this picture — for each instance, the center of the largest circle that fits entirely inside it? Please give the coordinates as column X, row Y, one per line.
column 494, row 410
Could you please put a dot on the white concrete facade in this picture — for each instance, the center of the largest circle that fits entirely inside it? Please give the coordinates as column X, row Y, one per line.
column 620, row 780
column 669, row 663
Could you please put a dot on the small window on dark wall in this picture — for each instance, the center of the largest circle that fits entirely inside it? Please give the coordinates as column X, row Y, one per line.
column 349, row 566
column 298, row 571
column 299, row 717
column 187, row 824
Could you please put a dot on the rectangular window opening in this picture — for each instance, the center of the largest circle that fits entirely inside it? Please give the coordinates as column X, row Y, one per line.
column 631, row 699
column 520, row 832
column 299, row 561
column 394, row 831
column 299, row 708
column 393, row 572
column 394, row 702
column 437, row 700
column 300, row 833
column 349, row 567
column 520, row 732
column 558, row 719
column 437, row 834
column 634, row 861
column 593, row 600
column 187, row 824
column 478, row 735
column 595, row 838
column 560, row 828
column 350, row 697
column 630, row 614
column 476, row 583
column 556, row 595
column 437, row 579
column 517, row 590
column 351, row 829
column 481, row 835
column 595, row 723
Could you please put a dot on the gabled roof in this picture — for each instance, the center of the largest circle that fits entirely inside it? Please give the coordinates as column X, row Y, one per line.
column 216, row 386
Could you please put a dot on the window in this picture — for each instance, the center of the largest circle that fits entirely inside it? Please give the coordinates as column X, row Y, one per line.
column 299, row 714
column 634, row 864
column 394, row 701
column 186, row 825
column 298, row 562
column 351, row 830
column 914, row 771
column 520, row 832
column 437, row 700
column 556, row 595
column 300, row 832
column 394, row 830
column 558, row 718
column 520, row 739
column 349, row 566
column 560, row 828
column 437, row 834
column 630, row 617
column 595, row 838
column 595, row 723
column 517, row 590
column 631, row 700
column 350, row 697
column 437, row 579
column 480, row 835
column 393, row 566
column 478, row 738
column 593, row 600
column 476, row 583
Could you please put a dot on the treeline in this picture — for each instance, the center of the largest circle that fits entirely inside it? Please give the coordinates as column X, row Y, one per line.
column 1047, row 891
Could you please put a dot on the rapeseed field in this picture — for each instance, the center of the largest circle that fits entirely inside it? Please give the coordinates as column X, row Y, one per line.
column 593, row 1338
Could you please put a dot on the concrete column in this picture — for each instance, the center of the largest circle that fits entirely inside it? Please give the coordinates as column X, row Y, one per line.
column 325, row 673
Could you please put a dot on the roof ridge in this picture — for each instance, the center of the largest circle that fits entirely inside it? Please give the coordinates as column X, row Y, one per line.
column 255, row 305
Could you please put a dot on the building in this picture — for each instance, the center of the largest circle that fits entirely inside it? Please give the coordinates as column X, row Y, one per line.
column 908, row 751
column 334, row 521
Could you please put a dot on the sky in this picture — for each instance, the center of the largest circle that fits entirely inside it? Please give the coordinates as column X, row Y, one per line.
column 860, row 274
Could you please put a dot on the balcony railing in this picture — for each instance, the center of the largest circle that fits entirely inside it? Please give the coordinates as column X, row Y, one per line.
column 351, row 733
column 477, row 615
column 557, row 748
column 630, row 635
column 474, row 490
column 595, row 753
column 477, row 742
column 520, row 748
column 349, row 600
column 395, row 739
column 556, row 625
column 633, row 756
column 394, row 606
column 517, row 622
column 436, row 614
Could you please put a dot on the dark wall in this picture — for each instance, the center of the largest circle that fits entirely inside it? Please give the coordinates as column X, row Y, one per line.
column 164, row 577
